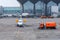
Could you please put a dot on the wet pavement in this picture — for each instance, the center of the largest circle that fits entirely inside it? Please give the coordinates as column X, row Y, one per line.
column 30, row 31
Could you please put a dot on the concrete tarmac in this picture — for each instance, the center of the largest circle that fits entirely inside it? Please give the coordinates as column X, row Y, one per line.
column 30, row 31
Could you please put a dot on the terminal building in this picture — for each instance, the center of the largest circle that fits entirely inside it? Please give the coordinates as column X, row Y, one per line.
column 33, row 7
column 1, row 10
column 12, row 10
column 39, row 7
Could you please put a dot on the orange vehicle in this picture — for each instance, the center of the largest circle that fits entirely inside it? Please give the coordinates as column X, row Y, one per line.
column 43, row 16
column 41, row 25
column 46, row 17
column 51, row 25
column 50, row 17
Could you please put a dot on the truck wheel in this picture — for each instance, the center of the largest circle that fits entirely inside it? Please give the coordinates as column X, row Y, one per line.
column 17, row 25
column 21, row 26
column 40, row 28
column 54, row 28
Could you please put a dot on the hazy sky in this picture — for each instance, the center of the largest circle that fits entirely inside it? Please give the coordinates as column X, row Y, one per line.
column 9, row 3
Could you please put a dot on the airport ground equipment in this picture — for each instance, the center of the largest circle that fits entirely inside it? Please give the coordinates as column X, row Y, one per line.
column 20, row 22
column 47, row 25
column 46, row 17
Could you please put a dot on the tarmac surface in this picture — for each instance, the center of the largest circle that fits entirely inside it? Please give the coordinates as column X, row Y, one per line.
column 30, row 31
